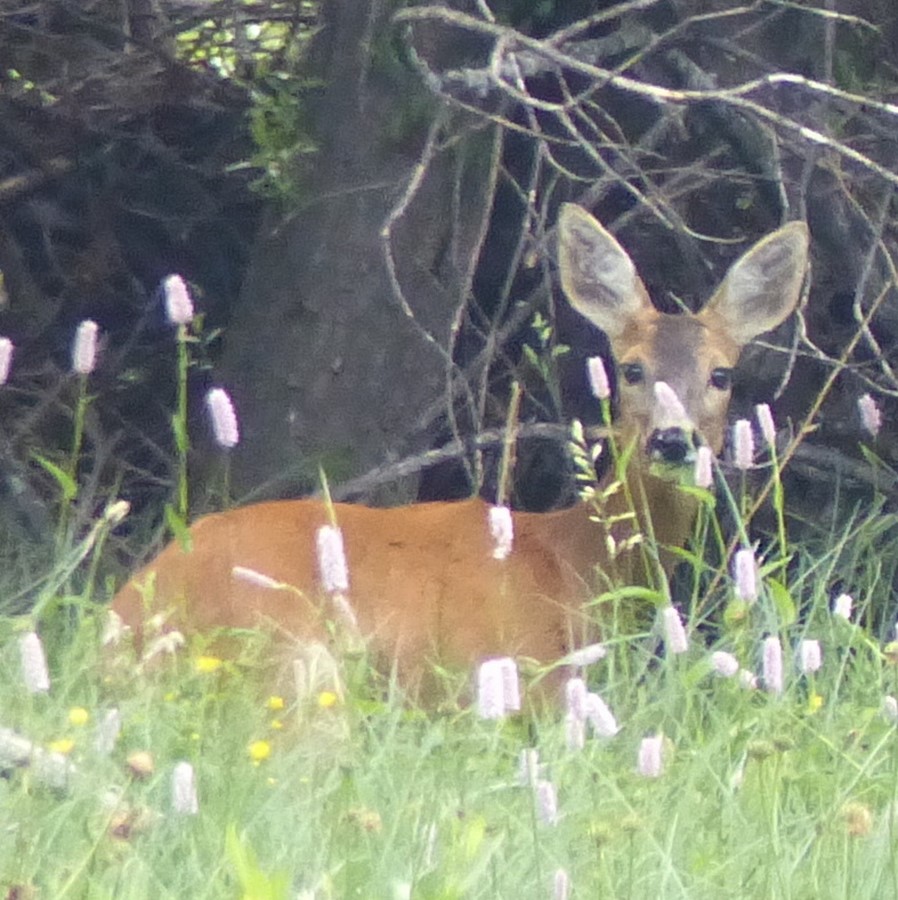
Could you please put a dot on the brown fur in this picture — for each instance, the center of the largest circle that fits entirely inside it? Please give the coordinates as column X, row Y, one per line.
column 423, row 581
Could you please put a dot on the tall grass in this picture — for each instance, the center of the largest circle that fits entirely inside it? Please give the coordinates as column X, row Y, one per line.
column 352, row 793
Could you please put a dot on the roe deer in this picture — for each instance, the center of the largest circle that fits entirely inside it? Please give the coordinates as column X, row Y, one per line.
column 424, row 584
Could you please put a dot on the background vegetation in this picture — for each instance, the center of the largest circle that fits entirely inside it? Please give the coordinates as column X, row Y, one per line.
column 361, row 195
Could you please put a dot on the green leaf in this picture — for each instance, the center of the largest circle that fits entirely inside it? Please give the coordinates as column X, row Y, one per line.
column 178, row 527
column 67, row 484
column 782, row 602
column 255, row 884
column 632, row 592
column 179, row 430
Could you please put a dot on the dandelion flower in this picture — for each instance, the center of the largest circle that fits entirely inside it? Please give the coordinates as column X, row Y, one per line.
column 327, row 700
column 205, row 665
column 78, row 716
column 259, row 751
column 274, row 703
column 63, row 746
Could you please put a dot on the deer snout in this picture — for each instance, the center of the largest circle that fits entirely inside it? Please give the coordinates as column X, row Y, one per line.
column 671, row 445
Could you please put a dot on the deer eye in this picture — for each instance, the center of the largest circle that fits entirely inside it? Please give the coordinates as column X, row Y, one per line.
column 633, row 373
column 722, row 379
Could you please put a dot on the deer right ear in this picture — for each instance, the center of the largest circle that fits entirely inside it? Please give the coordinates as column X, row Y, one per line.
column 764, row 285
column 597, row 274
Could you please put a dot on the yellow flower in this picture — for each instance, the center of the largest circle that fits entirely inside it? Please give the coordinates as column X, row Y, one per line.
column 275, row 703
column 259, row 751
column 327, row 699
column 206, row 664
column 78, row 716
column 815, row 701
column 277, row 724
column 63, row 746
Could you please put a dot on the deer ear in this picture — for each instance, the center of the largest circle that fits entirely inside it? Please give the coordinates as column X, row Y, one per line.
column 597, row 274
column 763, row 285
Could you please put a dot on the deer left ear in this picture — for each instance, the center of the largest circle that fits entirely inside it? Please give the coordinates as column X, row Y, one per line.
column 763, row 285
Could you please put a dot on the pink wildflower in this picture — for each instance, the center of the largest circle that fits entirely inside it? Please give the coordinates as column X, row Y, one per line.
column 561, row 885
column 704, row 471
column 598, row 378
column 6, row 351
column 649, row 762
column 600, row 717
column 743, row 445
column 35, row 674
column 84, row 349
column 501, row 531
column 772, row 665
column 810, row 657
column 675, row 638
column 766, row 424
column 668, row 401
column 498, row 689
column 842, row 606
column 224, row 419
column 745, row 573
column 585, row 656
column 331, row 557
column 575, row 732
column 183, row 790
column 178, row 303
column 547, row 802
column 724, row 664
column 871, row 417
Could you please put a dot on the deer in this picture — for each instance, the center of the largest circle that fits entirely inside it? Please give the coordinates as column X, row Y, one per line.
column 425, row 585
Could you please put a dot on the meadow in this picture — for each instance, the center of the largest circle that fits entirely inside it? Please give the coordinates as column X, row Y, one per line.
column 743, row 748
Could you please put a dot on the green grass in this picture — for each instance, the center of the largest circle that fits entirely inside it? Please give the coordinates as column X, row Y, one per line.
column 761, row 796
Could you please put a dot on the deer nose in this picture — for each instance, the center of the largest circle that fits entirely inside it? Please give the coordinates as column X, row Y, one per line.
column 670, row 445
